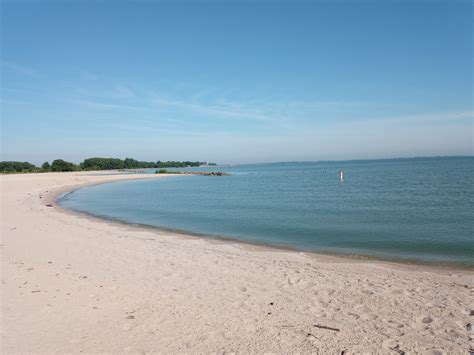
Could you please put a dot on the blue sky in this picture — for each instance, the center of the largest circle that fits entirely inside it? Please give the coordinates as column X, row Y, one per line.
column 236, row 81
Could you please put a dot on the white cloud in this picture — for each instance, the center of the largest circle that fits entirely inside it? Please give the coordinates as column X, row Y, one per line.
column 106, row 105
column 426, row 117
column 122, row 92
column 216, row 110
column 20, row 69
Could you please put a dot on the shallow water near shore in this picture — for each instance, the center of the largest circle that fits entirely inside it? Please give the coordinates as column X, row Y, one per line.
column 403, row 209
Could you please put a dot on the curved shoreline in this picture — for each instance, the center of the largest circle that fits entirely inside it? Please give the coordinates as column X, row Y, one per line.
column 75, row 283
column 54, row 197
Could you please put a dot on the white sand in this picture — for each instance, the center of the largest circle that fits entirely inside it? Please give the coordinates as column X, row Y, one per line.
column 75, row 284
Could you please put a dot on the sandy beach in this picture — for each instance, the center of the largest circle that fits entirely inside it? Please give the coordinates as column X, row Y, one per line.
column 72, row 283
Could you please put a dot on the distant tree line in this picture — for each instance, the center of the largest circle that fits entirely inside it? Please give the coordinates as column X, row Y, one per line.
column 92, row 164
column 15, row 166
column 25, row 167
column 128, row 163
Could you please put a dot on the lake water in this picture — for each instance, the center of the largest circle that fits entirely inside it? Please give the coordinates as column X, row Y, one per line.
column 406, row 209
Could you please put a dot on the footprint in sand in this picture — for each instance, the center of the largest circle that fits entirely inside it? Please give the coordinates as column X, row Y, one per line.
column 390, row 344
column 424, row 319
column 434, row 352
column 329, row 291
column 422, row 322
column 354, row 315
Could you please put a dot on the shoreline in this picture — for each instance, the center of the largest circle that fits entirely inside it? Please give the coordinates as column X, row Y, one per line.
column 55, row 196
column 73, row 283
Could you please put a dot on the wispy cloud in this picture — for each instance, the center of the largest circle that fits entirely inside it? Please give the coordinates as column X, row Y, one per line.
column 425, row 117
column 13, row 102
column 123, row 92
column 211, row 109
column 123, row 97
column 290, row 115
column 20, row 69
column 107, row 105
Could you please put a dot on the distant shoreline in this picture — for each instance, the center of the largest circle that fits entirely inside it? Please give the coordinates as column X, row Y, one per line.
column 355, row 160
column 223, row 165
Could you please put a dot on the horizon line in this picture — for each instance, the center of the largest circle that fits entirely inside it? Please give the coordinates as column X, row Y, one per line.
column 288, row 161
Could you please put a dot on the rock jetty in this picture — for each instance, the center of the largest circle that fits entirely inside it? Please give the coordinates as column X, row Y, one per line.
column 203, row 173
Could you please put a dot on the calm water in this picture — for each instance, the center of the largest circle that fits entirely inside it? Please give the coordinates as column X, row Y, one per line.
column 414, row 209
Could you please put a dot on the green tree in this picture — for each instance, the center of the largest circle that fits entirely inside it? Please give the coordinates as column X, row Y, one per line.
column 102, row 164
column 46, row 166
column 16, row 166
column 61, row 165
column 131, row 163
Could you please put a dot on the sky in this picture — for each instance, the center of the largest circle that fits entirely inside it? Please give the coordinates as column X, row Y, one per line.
column 236, row 81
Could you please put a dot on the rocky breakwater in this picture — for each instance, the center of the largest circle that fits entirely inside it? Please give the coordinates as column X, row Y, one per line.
column 203, row 173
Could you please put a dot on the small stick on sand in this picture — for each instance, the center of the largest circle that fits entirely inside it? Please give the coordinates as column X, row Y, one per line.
column 325, row 327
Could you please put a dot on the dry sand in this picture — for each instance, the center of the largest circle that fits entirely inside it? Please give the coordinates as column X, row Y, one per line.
column 78, row 284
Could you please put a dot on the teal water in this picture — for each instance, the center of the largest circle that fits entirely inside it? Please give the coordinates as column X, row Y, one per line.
column 410, row 209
